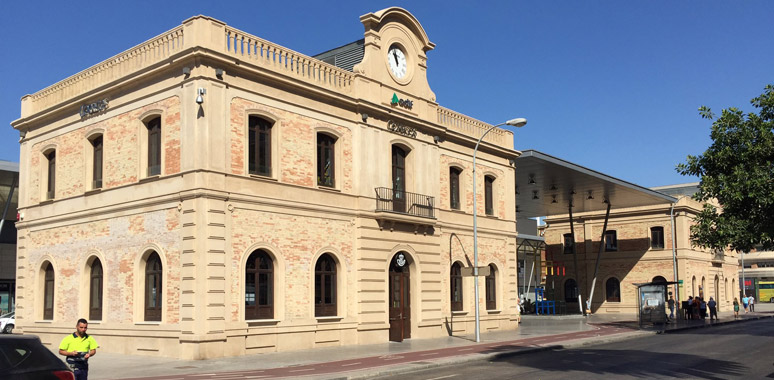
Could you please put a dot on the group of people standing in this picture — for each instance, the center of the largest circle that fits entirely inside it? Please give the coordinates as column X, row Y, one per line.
column 698, row 307
column 748, row 302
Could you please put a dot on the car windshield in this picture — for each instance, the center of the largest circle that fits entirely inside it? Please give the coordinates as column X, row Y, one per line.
column 9, row 315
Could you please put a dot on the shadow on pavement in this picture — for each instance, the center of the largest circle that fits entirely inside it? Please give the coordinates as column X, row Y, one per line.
column 634, row 363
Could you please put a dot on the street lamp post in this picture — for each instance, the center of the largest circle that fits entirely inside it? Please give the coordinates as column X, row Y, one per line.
column 518, row 123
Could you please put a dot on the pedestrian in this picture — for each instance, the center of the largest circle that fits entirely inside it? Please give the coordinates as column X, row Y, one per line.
column 689, row 310
column 671, row 303
column 751, row 303
column 78, row 347
column 696, row 303
column 745, row 301
column 712, row 309
column 703, row 309
column 736, row 308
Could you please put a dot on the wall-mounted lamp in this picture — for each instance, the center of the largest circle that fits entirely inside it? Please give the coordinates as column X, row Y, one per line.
column 535, row 194
column 512, row 162
column 22, row 134
column 186, row 71
column 200, row 98
column 517, row 208
column 517, row 190
column 591, row 196
column 553, row 187
column 437, row 139
column 364, row 116
column 572, row 191
column 219, row 73
column 553, row 199
column 531, row 179
column 606, row 201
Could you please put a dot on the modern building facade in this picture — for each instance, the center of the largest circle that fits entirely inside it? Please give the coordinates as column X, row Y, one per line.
column 641, row 245
column 9, row 182
column 209, row 193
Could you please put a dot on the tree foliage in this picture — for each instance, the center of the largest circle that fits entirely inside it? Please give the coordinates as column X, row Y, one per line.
column 737, row 170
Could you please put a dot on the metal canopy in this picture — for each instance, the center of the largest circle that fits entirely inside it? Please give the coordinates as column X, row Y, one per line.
column 545, row 185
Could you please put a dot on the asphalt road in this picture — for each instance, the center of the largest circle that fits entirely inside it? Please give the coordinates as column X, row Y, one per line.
column 734, row 351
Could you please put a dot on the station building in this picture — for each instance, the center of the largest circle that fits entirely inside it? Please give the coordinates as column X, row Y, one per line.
column 618, row 247
column 209, row 193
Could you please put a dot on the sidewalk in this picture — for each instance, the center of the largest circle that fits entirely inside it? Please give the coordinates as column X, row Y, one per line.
column 534, row 333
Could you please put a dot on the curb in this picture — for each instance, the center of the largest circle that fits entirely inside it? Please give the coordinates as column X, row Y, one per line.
column 718, row 324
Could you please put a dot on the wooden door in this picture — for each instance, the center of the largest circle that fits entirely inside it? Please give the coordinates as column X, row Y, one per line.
column 399, row 298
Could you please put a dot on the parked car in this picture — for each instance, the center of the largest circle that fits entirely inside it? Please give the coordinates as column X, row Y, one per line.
column 25, row 357
column 7, row 322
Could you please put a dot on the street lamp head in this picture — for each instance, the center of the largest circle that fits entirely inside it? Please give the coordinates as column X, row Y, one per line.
column 517, row 122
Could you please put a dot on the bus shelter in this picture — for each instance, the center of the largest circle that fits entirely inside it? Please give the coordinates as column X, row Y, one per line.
column 651, row 302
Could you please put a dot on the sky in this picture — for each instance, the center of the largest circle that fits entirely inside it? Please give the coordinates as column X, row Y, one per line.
column 613, row 86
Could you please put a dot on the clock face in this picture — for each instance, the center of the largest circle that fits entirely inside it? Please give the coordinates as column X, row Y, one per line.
column 397, row 61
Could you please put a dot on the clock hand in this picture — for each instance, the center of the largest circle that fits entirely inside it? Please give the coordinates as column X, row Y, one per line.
column 395, row 54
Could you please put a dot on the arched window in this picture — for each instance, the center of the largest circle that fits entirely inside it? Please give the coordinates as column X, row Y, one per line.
column 95, row 291
column 153, row 288
column 259, row 286
column 154, row 146
column 325, row 287
column 454, row 188
column 51, row 182
column 259, row 146
column 326, row 160
column 455, row 279
column 659, row 279
column 48, row 293
column 613, row 290
column 491, row 288
column 96, row 181
column 398, row 179
column 489, row 195
column 693, row 287
column 570, row 291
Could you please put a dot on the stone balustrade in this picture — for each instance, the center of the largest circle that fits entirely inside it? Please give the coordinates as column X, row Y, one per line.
column 469, row 126
column 137, row 58
column 280, row 59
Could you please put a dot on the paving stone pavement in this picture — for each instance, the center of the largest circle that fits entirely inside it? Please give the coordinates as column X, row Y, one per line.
column 353, row 362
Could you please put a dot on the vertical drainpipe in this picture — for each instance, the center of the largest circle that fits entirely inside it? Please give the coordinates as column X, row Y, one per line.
column 674, row 255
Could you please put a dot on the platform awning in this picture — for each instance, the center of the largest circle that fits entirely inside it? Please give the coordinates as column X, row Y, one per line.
column 546, row 184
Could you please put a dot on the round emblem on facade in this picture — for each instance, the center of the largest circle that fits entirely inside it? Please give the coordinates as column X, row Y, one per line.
column 401, row 260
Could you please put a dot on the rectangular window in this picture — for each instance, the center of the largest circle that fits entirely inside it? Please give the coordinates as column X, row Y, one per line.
column 97, row 170
column 657, row 237
column 51, row 188
column 259, row 146
column 454, row 188
column 325, row 160
column 611, row 241
column 154, row 146
column 568, row 243
column 488, row 195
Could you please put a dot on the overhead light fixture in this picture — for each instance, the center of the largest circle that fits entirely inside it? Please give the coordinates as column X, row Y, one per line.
column 535, row 194
column 531, row 179
column 517, row 122
column 200, row 98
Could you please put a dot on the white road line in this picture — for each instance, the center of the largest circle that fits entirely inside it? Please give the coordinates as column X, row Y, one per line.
column 443, row 377
column 347, row 365
column 465, row 349
column 302, row 370
column 430, row 353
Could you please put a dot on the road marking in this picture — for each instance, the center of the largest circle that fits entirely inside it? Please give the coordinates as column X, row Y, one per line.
column 465, row 349
column 443, row 377
column 347, row 365
column 302, row 370
column 430, row 353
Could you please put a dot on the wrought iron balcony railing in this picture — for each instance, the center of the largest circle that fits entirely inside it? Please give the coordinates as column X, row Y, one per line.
column 403, row 202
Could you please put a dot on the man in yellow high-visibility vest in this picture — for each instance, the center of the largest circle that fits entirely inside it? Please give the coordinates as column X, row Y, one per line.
column 78, row 347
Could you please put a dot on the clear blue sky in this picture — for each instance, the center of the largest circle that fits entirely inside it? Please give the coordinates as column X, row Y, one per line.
column 610, row 85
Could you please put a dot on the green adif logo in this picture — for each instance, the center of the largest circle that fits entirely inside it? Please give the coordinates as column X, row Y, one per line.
column 405, row 103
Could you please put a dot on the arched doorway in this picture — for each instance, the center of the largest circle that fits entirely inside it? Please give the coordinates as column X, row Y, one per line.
column 400, row 297
column 717, row 291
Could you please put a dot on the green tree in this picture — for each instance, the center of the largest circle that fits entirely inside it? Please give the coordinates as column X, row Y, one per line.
column 737, row 170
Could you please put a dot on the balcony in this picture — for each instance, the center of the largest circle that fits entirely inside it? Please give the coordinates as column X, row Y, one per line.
column 406, row 207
